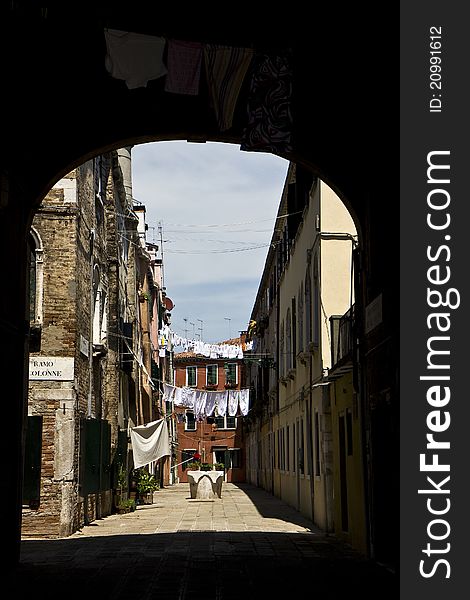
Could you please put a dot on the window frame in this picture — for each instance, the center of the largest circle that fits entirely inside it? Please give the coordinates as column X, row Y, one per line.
column 225, row 417
column 216, row 374
column 227, row 380
column 195, row 375
column 186, row 428
column 238, row 453
column 192, row 451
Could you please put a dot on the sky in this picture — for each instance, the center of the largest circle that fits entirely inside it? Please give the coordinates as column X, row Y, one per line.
column 216, row 207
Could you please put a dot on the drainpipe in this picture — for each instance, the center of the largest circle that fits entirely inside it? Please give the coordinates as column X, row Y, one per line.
column 90, row 345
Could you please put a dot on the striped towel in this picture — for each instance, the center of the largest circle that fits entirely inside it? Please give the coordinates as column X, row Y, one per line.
column 226, row 68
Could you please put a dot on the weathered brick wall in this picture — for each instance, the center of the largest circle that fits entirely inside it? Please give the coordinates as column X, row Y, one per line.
column 64, row 222
column 83, row 236
column 55, row 223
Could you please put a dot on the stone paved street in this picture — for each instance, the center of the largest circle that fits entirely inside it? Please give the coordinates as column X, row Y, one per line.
column 247, row 545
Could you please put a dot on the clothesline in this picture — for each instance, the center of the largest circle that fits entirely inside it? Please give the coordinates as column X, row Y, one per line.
column 232, row 351
column 206, row 403
column 138, row 58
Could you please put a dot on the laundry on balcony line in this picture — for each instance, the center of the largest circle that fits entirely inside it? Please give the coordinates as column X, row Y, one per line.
column 206, row 403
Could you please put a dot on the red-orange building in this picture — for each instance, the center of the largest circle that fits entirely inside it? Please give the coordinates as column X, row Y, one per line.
column 218, row 439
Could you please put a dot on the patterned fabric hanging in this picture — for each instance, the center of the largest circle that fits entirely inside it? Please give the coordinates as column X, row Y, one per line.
column 269, row 124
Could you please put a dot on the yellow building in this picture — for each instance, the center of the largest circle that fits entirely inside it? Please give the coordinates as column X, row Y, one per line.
column 307, row 285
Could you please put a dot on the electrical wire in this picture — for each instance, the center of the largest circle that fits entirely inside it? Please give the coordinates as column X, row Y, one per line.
column 218, row 251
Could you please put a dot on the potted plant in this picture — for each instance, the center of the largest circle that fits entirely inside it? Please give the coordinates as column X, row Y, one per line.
column 195, row 465
column 121, row 487
column 206, row 467
column 126, row 506
column 146, row 485
column 218, row 466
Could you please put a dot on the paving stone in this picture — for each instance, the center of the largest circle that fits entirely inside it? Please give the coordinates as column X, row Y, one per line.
column 178, row 549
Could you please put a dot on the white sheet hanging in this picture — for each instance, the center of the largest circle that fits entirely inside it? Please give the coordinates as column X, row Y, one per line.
column 134, row 57
column 233, row 396
column 244, row 401
column 150, row 442
column 221, row 404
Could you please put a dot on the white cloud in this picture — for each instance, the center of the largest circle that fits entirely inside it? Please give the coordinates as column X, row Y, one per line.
column 190, row 186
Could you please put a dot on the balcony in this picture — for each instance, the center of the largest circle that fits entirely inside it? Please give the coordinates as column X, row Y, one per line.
column 342, row 342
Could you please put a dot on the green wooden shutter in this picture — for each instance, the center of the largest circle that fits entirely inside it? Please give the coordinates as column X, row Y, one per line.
column 32, row 461
column 105, row 455
column 90, row 456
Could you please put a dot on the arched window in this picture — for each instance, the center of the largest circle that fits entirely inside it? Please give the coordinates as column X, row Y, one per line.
column 100, row 309
column 36, row 276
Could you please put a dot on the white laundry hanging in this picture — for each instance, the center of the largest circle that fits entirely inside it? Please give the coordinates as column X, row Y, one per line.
column 149, row 442
column 221, row 400
column 233, row 396
column 134, row 57
column 244, row 401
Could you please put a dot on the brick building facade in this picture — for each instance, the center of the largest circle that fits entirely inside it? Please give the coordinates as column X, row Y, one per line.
column 216, row 439
column 93, row 302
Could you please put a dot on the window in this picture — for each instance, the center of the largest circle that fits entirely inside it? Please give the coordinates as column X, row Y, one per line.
column 287, row 449
column 190, row 424
column 316, row 302
column 100, row 324
column 186, row 457
column 293, row 446
column 191, row 376
column 300, row 338
column 349, row 432
column 282, row 352
column 211, row 374
column 32, row 285
column 317, row 444
column 235, row 458
column 288, row 341
column 294, row 332
column 226, row 422
column 300, row 443
column 231, row 373
column 100, row 188
column 283, row 450
column 308, row 308
column 36, row 277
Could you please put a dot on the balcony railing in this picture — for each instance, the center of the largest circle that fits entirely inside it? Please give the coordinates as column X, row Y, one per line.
column 342, row 338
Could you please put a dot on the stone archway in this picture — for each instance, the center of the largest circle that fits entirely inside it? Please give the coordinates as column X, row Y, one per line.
column 341, row 132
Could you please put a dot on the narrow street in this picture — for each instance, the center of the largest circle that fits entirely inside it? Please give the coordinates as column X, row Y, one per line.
column 248, row 545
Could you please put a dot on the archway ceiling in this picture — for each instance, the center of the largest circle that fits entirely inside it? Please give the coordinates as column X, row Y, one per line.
column 62, row 107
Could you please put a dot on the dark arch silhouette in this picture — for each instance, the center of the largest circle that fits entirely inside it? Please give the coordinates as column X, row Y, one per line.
column 62, row 108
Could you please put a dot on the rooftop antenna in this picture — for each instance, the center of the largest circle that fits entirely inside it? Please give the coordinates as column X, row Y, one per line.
column 200, row 328
column 229, row 329
column 160, row 231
